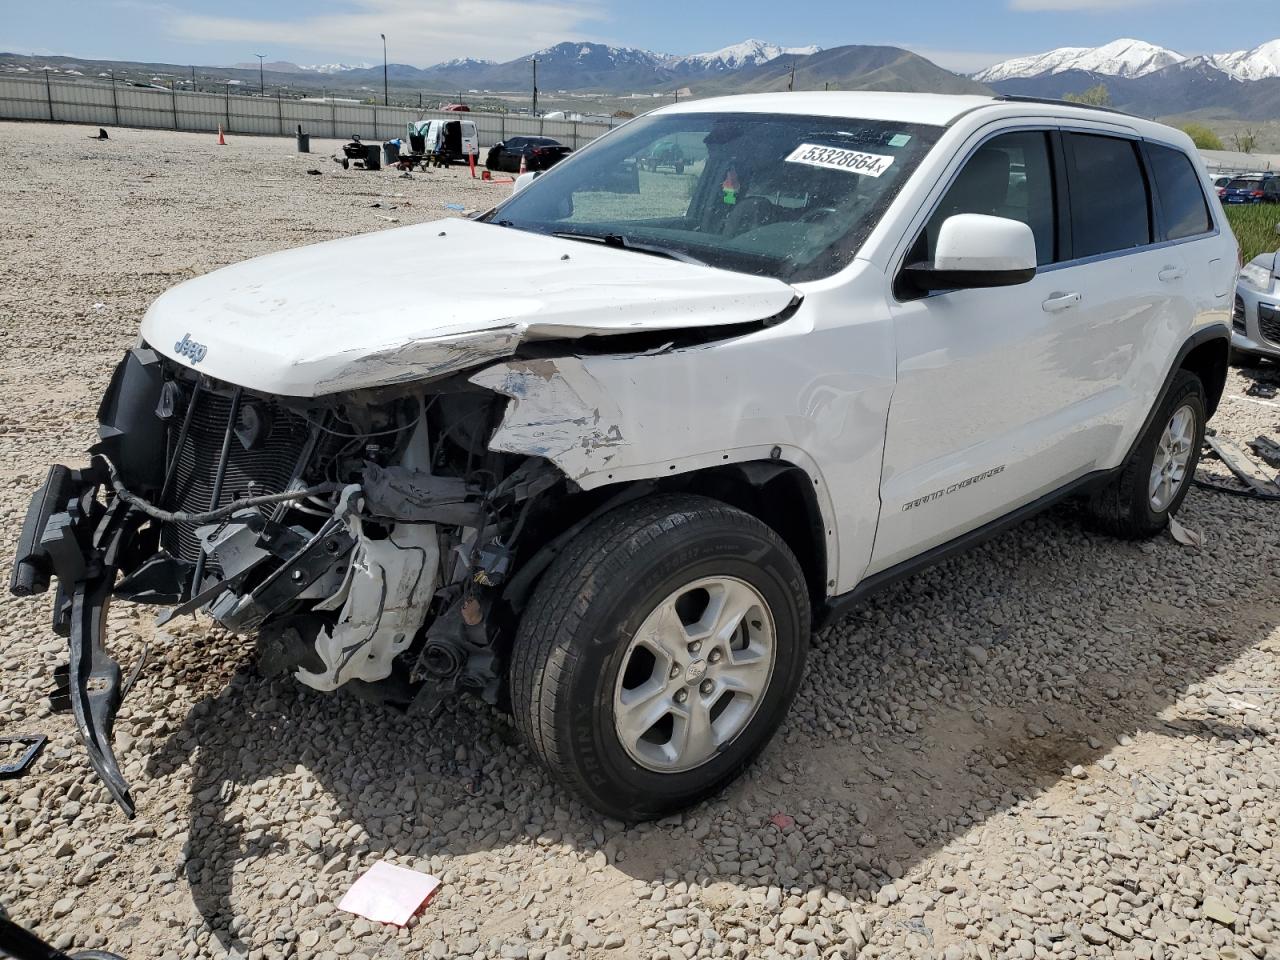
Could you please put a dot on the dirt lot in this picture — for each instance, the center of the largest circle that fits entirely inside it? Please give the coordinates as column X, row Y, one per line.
column 1055, row 746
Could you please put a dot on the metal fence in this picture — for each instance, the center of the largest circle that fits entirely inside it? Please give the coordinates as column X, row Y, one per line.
column 122, row 105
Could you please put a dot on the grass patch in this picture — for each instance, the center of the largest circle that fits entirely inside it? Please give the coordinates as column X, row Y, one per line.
column 1255, row 227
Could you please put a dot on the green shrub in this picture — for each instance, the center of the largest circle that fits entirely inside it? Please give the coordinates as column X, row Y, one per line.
column 1255, row 228
column 1202, row 136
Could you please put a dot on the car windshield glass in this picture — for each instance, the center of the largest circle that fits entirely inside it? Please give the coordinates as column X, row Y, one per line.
column 785, row 196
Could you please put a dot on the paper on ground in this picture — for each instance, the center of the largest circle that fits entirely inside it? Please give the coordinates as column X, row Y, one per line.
column 389, row 894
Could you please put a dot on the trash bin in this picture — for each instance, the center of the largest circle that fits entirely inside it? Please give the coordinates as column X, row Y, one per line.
column 304, row 142
column 390, row 152
column 373, row 157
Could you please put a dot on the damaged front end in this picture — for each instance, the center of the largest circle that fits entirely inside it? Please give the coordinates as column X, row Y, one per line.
column 363, row 538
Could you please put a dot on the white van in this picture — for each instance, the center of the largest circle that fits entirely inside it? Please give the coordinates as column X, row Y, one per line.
column 456, row 140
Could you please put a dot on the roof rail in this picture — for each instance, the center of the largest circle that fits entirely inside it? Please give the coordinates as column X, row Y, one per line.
column 1050, row 101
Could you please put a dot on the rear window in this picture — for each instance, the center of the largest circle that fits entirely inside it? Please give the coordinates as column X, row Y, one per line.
column 1110, row 206
column 1243, row 184
column 1181, row 198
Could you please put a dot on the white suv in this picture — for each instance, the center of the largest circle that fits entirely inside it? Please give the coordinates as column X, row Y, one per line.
column 607, row 456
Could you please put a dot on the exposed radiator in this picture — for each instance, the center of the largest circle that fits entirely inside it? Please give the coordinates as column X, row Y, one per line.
column 266, row 469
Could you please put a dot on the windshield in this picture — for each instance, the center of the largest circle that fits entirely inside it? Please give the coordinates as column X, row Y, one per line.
column 791, row 197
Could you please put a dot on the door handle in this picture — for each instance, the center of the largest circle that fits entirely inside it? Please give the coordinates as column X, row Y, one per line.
column 1061, row 301
column 1169, row 274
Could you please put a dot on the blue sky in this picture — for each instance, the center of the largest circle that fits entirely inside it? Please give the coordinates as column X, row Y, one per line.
column 959, row 34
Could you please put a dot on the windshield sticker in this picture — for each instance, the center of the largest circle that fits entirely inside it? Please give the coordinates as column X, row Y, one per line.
column 834, row 158
column 899, row 139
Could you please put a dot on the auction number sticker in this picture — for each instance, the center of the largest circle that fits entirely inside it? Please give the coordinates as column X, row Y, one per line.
column 834, row 158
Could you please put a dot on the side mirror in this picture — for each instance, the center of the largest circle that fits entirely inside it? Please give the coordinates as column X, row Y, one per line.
column 524, row 180
column 977, row 251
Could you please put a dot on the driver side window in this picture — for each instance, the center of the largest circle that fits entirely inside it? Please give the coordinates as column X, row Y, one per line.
column 1009, row 176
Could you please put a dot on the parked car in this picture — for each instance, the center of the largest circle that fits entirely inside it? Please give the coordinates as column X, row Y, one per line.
column 665, row 153
column 538, row 153
column 1220, row 185
column 1255, row 320
column 1259, row 188
column 608, row 454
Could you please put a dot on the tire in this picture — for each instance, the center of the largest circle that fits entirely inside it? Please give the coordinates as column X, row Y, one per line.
column 567, row 678
column 1126, row 507
column 679, row 166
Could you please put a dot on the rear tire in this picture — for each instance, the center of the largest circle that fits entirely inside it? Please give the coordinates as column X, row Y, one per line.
column 1155, row 479
column 611, row 709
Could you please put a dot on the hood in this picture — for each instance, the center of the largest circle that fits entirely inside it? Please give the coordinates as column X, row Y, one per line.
column 431, row 299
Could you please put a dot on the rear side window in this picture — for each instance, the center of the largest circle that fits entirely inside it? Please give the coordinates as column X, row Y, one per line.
column 1181, row 198
column 1110, row 205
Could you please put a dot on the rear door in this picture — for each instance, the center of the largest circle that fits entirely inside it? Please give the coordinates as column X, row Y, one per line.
column 470, row 139
column 1137, row 303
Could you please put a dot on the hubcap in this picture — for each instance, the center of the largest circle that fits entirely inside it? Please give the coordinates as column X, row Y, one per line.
column 1173, row 454
column 694, row 675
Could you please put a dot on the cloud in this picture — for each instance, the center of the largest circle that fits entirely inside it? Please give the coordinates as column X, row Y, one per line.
column 419, row 32
column 1097, row 6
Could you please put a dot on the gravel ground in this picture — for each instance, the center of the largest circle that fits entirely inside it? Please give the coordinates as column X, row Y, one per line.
column 1055, row 746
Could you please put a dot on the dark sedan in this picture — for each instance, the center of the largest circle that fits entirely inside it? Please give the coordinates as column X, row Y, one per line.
column 1259, row 189
column 539, row 153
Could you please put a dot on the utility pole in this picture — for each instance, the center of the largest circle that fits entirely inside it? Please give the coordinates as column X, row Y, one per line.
column 262, row 87
column 677, row 94
column 535, row 85
column 791, row 84
column 193, row 79
column 386, row 101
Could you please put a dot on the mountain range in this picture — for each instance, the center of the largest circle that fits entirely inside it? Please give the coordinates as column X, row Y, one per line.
column 1150, row 80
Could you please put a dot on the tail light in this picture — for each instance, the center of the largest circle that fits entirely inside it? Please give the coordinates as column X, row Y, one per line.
column 1256, row 193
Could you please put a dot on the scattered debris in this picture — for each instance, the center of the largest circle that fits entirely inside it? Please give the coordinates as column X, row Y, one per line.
column 1257, row 483
column 1267, row 391
column 387, row 893
column 314, row 173
column 31, row 746
column 388, row 219
column 783, row 821
column 455, row 206
column 102, row 135
column 1268, row 450
column 1261, row 403
column 1188, row 538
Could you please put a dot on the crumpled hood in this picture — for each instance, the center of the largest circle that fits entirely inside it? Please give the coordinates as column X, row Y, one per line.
column 430, row 299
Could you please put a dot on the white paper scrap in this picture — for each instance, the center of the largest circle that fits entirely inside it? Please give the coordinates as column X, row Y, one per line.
column 389, row 894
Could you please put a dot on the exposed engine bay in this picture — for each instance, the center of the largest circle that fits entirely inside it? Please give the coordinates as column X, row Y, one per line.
column 366, row 540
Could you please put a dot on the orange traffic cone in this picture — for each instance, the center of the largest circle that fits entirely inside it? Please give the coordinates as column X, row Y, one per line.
column 471, row 162
column 524, row 167
column 222, row 141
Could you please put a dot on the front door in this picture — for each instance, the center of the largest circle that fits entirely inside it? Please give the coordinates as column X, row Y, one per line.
column 982, row 418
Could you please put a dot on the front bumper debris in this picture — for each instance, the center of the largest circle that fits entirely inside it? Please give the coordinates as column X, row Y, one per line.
column 70, row 535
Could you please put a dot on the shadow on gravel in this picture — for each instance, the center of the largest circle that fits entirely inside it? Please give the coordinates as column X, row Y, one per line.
column 959, row 693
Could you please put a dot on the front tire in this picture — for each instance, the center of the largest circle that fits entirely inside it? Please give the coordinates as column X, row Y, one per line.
column 660, row 653
column 1155, row 479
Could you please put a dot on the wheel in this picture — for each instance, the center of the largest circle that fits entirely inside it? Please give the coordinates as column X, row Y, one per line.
column 346, row 163
column 679, row 166
column 659, row 654
column 1154, row 481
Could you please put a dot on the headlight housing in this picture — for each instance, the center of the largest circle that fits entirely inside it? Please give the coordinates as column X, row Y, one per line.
column 1256, row 277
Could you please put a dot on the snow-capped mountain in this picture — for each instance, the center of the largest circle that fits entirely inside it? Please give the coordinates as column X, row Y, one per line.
column 748, row 53
column 332, row 67
column 1260, row 63
column 1120, row 58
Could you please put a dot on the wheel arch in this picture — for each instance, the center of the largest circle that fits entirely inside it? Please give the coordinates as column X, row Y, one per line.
column 1207, row 357
column 780, row 494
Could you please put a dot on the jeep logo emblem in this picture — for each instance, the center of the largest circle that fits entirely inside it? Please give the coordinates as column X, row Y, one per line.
column 186, row 347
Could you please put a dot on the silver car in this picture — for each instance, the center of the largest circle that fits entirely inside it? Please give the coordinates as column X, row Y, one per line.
column 1255, row 321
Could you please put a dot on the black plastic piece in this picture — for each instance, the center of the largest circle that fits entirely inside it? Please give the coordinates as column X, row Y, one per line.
column 16, row 768
column 32, row 566
column 130, row 432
